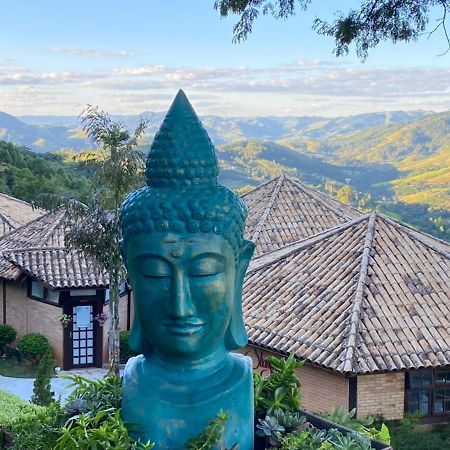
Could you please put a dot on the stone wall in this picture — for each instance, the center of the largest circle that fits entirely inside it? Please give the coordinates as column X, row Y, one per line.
column 381, row 394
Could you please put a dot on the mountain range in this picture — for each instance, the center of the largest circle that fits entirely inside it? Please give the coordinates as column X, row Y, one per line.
column 387, row 159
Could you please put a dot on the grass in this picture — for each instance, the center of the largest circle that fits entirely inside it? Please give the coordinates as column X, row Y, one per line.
column 9, row 367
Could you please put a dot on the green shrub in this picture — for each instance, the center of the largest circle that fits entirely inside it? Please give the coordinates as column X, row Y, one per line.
column 38, row 430
column 125, row 351
column 42, row 394
column 7, row 335
column 11, row 407
column 102, row 430
column 33, row 346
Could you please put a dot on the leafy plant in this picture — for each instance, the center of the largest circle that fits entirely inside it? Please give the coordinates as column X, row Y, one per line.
column 39, row 429
column 103, row 430
column 42, row 394
column 65, row 319
column 271, row 430
column 211, row 436
column 100, row 394
column 365, row 426
column 281, row 389
column 33, row 346
column 289, row 420
column 7, row 335
column 75, row 407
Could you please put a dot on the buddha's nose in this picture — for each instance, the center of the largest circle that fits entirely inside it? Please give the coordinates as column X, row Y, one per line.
column 182, row 305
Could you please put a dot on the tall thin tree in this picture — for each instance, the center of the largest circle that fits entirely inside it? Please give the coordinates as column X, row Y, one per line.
column 118, row 167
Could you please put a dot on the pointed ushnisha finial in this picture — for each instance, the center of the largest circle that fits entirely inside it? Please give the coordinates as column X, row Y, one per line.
column 182, row 153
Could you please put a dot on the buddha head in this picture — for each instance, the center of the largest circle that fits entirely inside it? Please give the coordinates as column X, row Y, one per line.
column 184, row 248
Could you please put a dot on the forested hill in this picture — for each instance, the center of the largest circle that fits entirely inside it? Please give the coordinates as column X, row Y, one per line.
column 31, row 176
column 50, row 133
column 400, row 166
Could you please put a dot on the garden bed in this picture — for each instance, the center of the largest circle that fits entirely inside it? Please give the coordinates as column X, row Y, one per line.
column 323, row 424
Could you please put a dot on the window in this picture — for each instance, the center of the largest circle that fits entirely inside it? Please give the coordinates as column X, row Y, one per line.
column 83, row 292
column 428, row 391
column 37, row 291
column 123, row 289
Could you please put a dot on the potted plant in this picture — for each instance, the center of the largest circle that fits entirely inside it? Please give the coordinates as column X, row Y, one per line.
column 101, row 318
column 65, row 319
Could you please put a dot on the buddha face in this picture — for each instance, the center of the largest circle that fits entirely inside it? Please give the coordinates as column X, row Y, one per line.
column 183, row 289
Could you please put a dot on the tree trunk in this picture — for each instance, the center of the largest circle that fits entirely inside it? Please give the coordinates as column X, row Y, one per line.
column 114, row 328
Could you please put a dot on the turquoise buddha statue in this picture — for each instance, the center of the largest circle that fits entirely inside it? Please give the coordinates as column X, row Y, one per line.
column 186, row 258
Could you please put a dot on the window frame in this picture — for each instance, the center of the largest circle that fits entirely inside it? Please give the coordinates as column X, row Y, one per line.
column 431, row 389
column 46, row 290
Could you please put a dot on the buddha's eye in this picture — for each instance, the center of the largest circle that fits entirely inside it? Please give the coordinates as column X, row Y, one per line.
column 154, row 268
column 205, row 266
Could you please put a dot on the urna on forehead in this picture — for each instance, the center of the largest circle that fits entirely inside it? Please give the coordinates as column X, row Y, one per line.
column 182, row 193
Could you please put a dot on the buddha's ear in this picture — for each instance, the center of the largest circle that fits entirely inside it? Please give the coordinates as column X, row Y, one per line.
column 236, row 336
column 137, row 341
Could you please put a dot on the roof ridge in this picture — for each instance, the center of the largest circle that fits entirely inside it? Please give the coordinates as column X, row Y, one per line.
column 35, row 249
column 314, row 193
column 353, row 327
column 291, row 248
column 414, row 233
column 20, row 201
column 21, row 227
column 259, row 186
column 52, row 227
column 266, row 213
column 4, row 217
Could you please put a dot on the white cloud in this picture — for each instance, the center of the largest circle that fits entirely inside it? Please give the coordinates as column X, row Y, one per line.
column 93, row 53
column 299, row 87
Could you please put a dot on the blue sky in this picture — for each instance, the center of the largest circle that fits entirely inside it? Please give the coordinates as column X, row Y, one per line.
column 57, row 56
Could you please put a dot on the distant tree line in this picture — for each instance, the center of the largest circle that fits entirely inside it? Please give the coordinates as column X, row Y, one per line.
column 36, row 177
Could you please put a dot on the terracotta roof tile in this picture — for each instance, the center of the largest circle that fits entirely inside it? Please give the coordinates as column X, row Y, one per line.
column 284, row 210
column 15, row 212
column 369, row 295
column 37, row 249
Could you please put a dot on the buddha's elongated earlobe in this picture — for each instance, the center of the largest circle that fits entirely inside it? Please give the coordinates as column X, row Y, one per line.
column 236, row 336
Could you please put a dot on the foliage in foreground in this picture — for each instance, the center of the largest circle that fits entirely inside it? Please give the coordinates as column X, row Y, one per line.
column 280, row 390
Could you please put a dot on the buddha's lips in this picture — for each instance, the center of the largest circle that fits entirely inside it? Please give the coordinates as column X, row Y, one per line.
column 184, row 327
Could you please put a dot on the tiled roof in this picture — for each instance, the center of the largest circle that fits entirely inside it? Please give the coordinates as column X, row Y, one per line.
column 37, row 249
column 15, row 212
column 59, row 268
column 284, row 210
column 369, row 295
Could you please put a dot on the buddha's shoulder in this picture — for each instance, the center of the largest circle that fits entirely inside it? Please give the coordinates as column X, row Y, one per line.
column 241, row 363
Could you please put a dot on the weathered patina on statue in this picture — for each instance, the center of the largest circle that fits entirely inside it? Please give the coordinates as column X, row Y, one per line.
column 186, row 258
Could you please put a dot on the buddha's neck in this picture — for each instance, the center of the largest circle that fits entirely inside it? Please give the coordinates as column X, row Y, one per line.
column 209, row 363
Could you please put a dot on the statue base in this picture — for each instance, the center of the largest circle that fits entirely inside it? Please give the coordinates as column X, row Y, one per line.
column 169, row 407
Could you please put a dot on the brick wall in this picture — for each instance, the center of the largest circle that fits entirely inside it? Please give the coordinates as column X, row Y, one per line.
column 30, row 316
column 381, row 394
column 322, row 389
